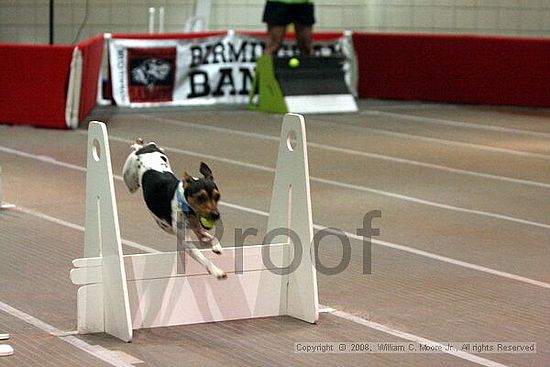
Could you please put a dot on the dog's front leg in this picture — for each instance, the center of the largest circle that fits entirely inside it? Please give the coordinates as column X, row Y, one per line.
column 197, row 255
column 205, row 237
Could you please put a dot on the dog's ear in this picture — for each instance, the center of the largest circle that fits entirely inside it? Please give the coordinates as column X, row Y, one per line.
column 206, row 171
column 187, row 178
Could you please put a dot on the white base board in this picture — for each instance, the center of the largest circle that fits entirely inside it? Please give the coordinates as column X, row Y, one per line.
column 160, row 296
column 199, row 299
column 327, row 103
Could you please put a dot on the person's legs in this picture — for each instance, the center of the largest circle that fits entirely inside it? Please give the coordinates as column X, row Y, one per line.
column 275, row 37
column 303, row 16
column 304, row 38
column 277, row 16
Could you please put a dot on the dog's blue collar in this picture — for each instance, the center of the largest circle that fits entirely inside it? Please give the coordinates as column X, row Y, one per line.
column 182, row 203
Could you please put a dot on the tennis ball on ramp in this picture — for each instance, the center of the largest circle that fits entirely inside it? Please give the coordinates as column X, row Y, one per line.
column 293, row 62
column 207, row 223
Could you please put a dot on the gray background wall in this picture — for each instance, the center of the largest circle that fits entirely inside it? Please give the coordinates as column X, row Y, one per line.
column 26, row 21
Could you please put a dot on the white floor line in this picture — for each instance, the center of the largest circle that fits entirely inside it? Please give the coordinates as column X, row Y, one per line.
column 413, row 105
column 108, row 356
column 411, row 337
column 383, row 243
column 97, row 351
column 199, row 155
column 433, row 204
column 42, row 158
column 374, row 241
column 78, row 227
column 446, row 122
column 434, row 166
column 351, row 187
column 486, row 148
column 414, row 251
column 352, row 152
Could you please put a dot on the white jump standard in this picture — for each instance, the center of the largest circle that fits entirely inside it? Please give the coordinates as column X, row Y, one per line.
column 120, row 293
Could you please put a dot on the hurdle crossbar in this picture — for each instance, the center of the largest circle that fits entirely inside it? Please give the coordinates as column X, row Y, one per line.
column 120, row 293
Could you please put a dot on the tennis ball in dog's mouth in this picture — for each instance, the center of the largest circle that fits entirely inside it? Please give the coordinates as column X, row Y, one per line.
column 293, row 62
column 207, row 223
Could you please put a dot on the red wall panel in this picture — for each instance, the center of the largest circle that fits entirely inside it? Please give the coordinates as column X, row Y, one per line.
column 92, row 55
column 34, row 84
column 460, row 69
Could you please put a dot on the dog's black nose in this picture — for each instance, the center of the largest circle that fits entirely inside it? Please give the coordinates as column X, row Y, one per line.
column 215, row 215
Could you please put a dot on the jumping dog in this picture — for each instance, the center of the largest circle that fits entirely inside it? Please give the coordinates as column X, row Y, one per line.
column 148, row 167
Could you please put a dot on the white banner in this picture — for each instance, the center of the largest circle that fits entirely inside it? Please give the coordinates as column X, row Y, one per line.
column 198, row 71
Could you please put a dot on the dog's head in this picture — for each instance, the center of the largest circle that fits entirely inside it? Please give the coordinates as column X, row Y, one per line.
column 202, row 194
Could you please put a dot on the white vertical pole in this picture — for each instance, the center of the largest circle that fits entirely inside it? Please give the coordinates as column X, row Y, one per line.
column 352, row 74
column 152, row 12
column 161, row 19
column 202, row 11
column 100, row 97
column 72, row 105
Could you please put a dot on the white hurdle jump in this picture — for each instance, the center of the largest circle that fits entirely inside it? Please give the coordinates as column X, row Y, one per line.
column 3, row 205
column 120, row 293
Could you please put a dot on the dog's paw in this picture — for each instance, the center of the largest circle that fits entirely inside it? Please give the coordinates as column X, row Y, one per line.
column 218, row 273
column 217, row 249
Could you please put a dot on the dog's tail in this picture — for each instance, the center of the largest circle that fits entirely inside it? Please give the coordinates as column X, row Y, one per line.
column 130, row 171
column 138, row 144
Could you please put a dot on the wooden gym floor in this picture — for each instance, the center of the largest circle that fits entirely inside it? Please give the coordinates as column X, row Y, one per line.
column 463, row 253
